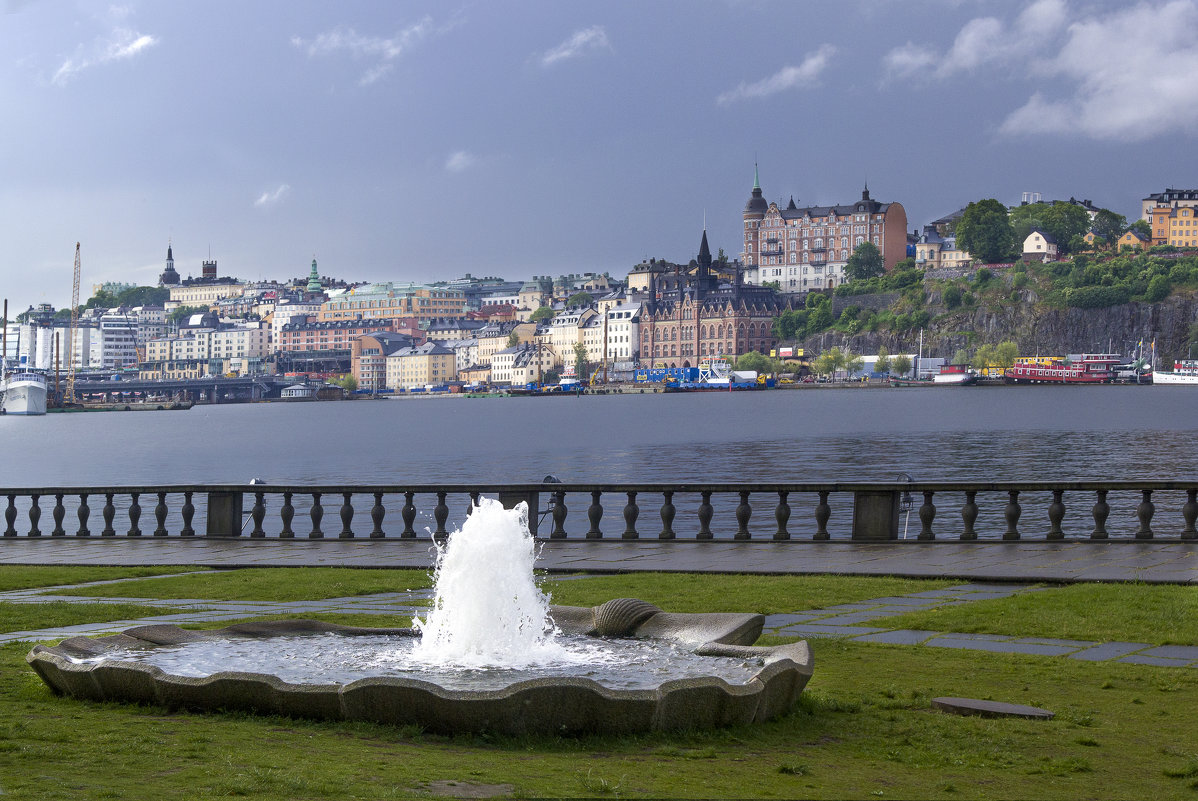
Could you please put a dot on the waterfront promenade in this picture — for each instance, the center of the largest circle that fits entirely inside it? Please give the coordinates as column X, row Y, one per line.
column 1174, row 562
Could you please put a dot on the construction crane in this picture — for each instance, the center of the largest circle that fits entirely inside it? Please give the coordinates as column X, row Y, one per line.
column 71, row 331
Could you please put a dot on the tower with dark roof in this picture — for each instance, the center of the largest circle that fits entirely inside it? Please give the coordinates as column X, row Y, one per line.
column 314, row 279
column 169, row 277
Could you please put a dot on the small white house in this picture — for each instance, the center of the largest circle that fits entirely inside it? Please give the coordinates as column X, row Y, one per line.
column 1039, row 246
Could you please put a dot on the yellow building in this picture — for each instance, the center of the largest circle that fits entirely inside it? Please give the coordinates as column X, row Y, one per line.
column 424, row 365
column 389, row 301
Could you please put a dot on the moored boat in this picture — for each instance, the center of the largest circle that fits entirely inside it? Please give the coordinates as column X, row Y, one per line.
column 955, row 375
column 1085, row 368
column 23, row 393
column 1185, row 372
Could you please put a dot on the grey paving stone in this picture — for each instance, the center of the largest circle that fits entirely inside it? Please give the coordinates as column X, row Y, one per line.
column 775, row 621
column 899, row 637
column 1158, row 661
column 1109, row 650
column 1187, row 652
column 813, row 630
column 1055, row 641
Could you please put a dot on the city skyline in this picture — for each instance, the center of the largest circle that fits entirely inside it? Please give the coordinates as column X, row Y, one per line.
column 427, row 141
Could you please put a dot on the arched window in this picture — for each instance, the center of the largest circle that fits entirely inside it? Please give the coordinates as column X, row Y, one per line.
column 844, row 241
column 860, row 240
column 819, row 243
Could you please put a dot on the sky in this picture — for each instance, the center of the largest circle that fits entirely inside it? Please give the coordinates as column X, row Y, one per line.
column 420, row 141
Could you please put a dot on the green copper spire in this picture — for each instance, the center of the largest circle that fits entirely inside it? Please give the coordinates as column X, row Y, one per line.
column 314, row 279
column 756, row 180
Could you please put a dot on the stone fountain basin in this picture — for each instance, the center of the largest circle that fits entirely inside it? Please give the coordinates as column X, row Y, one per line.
column 534, row 706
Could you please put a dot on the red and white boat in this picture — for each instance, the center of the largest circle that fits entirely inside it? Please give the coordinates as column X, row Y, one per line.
column 1084, row 368
column 1184, row 372
column 951, row 375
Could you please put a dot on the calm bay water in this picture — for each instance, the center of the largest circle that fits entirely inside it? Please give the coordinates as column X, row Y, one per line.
column 1001, row 433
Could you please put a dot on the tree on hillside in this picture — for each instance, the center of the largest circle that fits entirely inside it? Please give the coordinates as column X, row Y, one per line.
column 543, row 313
column 900, row 364
column 1142, row 227
column 757, row 362
column 580, row 299
column 985, row 231
column 181, row 313
column 1005, row 354
column 1064, row 221
column 513, row 339
column 882, row 364
column 961, row 356
column 790, row 324
column 866, row 262
column 1109, row 225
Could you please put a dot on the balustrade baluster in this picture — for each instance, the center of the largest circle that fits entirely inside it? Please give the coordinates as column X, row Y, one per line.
column 1144, row 512
column 160, row 516
column 441, row 514
column 287, row 514
column 258, row 514
column 743, row 513
column 377, row 513
column 667, row 515
column 10, row 517
column 594, row 516
column 822, row 513
column 559, row 515
column 316, row 514
column 474, row 496
column 1011, row 514
column 83, row 513
column 969, row 515
column 706, row 511
column 134, row 516
column 927, row 513
column 630, row 514
column 782, row 515
column 35, row 514
column 1056, row 513
column 347, row 516
column 58, row 514
column 189, row 511
column 1189, row 512
column 1101, row 512
column 409, row 515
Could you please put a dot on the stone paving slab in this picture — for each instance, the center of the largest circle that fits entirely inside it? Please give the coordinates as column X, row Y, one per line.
column 813, row 630
column 1109, row 650
column 1007, row 647
column 899, row 637
column 1158, row 661
column 1186, row 652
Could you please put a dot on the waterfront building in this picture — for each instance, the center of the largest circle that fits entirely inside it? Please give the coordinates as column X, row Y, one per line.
column 493, row 337
column 521, row 364
column 465, row 352
column 452, row 329
column 690, row 315
column 805, row 248
column 390, row 300
column 151, row 324
column 368, row 357
column 117, row 340
column 206, row 347
column 566, row 331
column 292, row 311
column 1169, row 199
column 476, row 374
column 327, row 346
column 934, row 251
column 430, row 364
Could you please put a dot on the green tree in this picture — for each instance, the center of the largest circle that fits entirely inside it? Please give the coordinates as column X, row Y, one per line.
column 347, row 382
column 580, row 299
column 1158, row 289
column 901, row 364
column 1143, row 227
column 181, row 313
column 961, row 356
column 543, row 313
column 580, row 360
column 790, row 324
column 866, row 262
column 882, row 363
column 952, row 296
column 819, row 319
column 774, row 285
column 985, row 231
column 1109, row 225
column 1064, row 221
column 144, row 296
column 853, row 362
column 984, row 357
column 513, row 339
column 757, row 362
column 1005, row 354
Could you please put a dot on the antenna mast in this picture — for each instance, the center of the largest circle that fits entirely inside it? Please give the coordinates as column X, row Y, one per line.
column 71, row 331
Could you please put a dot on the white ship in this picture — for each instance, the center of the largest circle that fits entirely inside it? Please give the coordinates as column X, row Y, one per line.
column 1184, row 372
column 23, row 393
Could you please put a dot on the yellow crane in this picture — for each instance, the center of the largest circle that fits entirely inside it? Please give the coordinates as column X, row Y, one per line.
column 71, row 331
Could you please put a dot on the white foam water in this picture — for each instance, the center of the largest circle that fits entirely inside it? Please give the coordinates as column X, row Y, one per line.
column 488, row 610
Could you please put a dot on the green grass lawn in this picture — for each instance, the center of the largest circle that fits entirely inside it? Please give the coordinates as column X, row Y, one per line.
column 689, row 592
column 23, row 577
column 54, row 614
column 864, row 728
column 266, row 584
column 1151, row 613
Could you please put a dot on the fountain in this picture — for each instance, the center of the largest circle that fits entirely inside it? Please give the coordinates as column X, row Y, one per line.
column 490, row 654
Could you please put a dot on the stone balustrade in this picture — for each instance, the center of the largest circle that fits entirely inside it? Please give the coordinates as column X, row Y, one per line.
column 862, row 512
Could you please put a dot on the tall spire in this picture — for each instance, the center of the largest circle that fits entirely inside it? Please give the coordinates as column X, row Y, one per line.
column 756, row 179
column 314, row 278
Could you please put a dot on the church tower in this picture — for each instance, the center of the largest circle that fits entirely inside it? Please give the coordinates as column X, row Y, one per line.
column 169, row 277
column 314, row 279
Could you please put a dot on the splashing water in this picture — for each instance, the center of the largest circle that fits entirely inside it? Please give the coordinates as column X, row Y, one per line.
column 488, row 610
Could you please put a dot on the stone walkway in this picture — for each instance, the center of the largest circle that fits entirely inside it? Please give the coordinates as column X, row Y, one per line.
column 1152, row 561
column 840, row 621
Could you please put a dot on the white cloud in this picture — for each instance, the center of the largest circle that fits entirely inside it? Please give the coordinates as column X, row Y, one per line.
column 460, row 161
column 908, row 59
column 584, row 41
column 786, row 78
column 119, row 45
column 383, row 51
column 271, row 197
column 1129, row 73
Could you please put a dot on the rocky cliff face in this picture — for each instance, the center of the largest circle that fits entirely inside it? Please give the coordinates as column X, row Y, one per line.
column 1039, row 330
